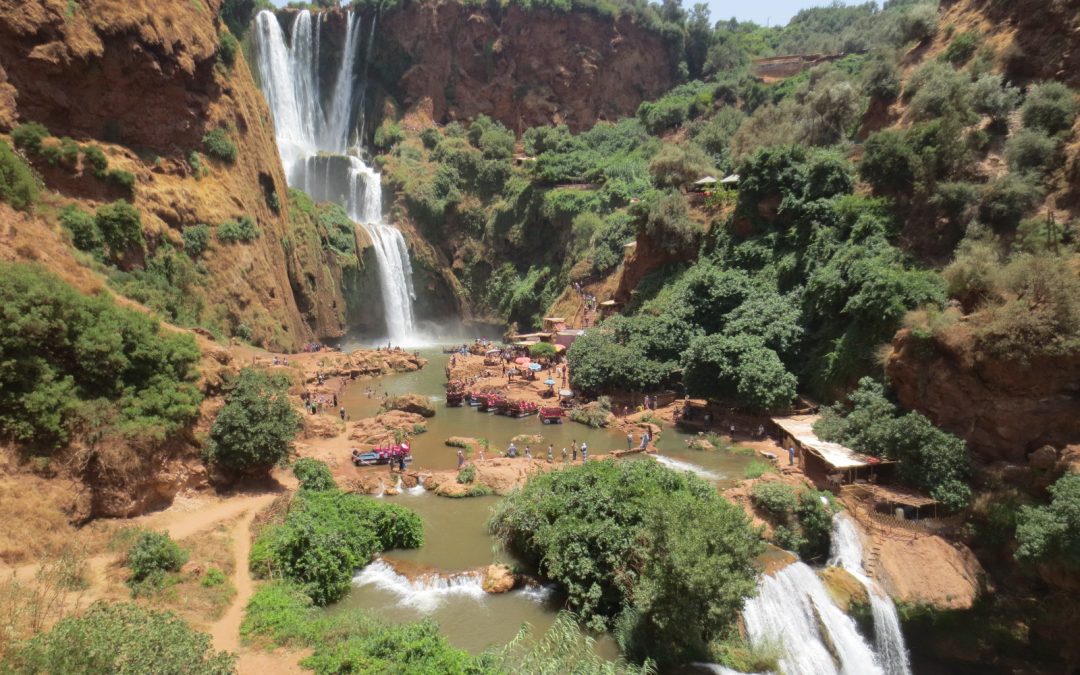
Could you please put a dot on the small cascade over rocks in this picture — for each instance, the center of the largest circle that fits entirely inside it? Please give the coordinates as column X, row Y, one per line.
column 425, row 591
column 847, row 553
column 314, row 132
column 793, row 610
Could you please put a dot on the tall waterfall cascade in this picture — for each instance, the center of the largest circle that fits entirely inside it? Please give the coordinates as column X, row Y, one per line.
column 319, row 149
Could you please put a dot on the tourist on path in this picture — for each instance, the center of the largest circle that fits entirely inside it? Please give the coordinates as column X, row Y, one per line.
column 342, row 413
column 573, row 447
column 791, row 456
column 629, row 440
column 460, row 459
column 584, row 452
column 528, row 452
column 551, row 454
column 512, row 450
column 565, row 455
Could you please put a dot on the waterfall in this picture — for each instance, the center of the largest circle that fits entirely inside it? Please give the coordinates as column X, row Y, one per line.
column 793, row 610
column 679, row 465
column 314, row 143
column 424, row 593
column 847, row 554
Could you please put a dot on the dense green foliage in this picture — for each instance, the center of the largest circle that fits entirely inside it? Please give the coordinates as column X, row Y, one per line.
column 17, row 184
column 73, row 365
column 242, row 230
column 254, row 430
column 801, row 521
column 1051, row 533
column 150, row 557
column 615, row 537
column 120, row 227
column 120, row 638
column 313, row 474
column 929, row 458
column 326, row 535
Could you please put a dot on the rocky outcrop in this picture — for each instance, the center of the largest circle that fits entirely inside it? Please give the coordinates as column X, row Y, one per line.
column 499, row 579
column 386, row 428
column 845, row 590
column 410, row 403
column 455, row 61
column 1003, row 409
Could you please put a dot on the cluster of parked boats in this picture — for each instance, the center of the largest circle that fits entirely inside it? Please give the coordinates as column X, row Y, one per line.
column 390, row 454
column 495, row 402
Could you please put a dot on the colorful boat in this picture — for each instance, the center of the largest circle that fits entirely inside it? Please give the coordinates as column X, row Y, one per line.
column 551, row 415
column 382, row 455
column 521, row 408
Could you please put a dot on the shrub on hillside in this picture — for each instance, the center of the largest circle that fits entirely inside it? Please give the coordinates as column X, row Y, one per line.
column 243, row 230
column 776, row 499
column 680, row 165
column 313, row 474
column 218, row 145
column 255, row 428
column 919, row 23
column 938, row 90
column 1006, row 200
column 17, row 184
column 196, row 239
column 739, row 369
column 327, row 535
column 121, row 638
column 120, row 225
column 962, row 47
column 106, row 369
column 991, row 96
column 228, row 48
column 83, row 229
column 125, row 180
column 665, row 218
column 29, row 137
column 889, row 162
column 150, row 558
column 96, row 160
column 1032, row 150
column 1051, row 107
column 881, row 78
column 689, row 582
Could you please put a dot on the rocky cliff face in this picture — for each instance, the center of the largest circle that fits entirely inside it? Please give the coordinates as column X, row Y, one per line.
column 1004, row 410
column 453, row 61
column 142, row 79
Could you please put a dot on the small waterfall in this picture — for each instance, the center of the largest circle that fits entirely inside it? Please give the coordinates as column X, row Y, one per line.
column 792, row 609
column 680, row 465
column 847, row 553
column 382, row 490
column 314, row 143
column 417, row 489
column 424, row 593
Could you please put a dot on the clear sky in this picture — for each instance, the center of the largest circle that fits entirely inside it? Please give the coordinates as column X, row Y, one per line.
column 770, row 12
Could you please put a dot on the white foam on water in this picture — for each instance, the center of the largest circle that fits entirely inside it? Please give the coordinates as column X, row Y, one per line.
column 424, row 594
column 680, row 465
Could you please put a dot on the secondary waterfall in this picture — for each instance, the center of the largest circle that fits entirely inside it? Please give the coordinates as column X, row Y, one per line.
column 794, row 611
column 847, row 553
column 314, row 131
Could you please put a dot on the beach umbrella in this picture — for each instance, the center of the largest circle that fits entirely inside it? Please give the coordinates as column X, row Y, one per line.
column 535, row 366
column 549, row 382
column 566, row 393
column 522, row 360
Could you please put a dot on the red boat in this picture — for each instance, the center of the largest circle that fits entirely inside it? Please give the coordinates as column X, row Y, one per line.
column 383, row 455
column 520, row 408
column 490, row 402
column 551, row 415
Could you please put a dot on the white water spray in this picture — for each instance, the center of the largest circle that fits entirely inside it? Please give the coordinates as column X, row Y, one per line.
column 680, row 465
column 847, row 553
column 314, row 142
column 425, row 593
column 793, row 610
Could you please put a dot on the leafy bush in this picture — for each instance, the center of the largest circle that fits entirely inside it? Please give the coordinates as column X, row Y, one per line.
column 151, row 556
column 962, row 48
column 889, row 162
column 96, row 159
column 213, row 578
column 1051, row 533
column 218, row 145
column 669, row 589
column 313, row 474
column 1031, row 150
column 228, row 47
column 388, row 134
column 327, row 535
column 665, row 218
column 120, row 225
column 106, row 369
column 120, row 638
column 467, row 474
column 679, row 165
column 991, row 96
column 938, row 90
column 594, row 414
column 29, row 137
column 196, row 239
column 125, row 180
column 756, row 469
column 83, row 229
column 776, row 499
column 929, row 458
column 233, row 231
column 1007, row 199
column 542, row 350
column 738, row 368
column 919, row 23
column 1051, row 107
column 17, row 184
column 881, row 78
column 254, row 430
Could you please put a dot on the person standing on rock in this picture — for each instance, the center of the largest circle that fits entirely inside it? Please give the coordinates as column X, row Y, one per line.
column 512, row 450
column 584, row 452
column 573, row 447
column 528, row 452
column 791, row 456
column 551, row 454
column 565, row 455
column 460, row 459
column 342, row 413
column 629, row 440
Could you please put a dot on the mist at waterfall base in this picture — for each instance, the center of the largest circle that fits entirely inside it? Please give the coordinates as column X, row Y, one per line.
column 318, row 129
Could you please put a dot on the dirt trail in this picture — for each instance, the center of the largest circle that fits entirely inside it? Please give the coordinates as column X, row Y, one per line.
column 226, row 632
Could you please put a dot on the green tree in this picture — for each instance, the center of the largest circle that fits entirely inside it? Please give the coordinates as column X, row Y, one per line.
column 83, row 229
column 1051, row 107
column 1051, row 533
column 120, row 225
column 679, row 165
column 313, row 474
column 254, row 430
column 738, row 368
column 17, row 184
column 120, row 638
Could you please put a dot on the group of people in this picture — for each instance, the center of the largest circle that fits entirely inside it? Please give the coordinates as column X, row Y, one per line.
column 312, row 347
column 646, row 438
column 570, row 455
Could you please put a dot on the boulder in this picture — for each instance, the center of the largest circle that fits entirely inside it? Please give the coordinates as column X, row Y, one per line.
column 843, row 588
column 462, row 442
column 1043, row 459
column 322, row 426
column 386, row 427
column 499, row 579
column 410, row 403
column 532, row 440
